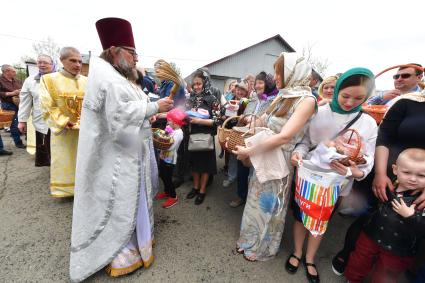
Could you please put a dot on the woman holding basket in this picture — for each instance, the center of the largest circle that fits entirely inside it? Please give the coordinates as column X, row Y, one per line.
column 263, row 219
column 351, row 90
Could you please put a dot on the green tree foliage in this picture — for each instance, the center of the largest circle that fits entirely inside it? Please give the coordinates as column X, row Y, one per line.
column 21, row 72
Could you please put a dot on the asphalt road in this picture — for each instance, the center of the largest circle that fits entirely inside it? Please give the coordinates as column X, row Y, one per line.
column 193, row 243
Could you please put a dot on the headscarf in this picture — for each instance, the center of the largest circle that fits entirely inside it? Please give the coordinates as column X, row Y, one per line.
column 206, row 83
column 196, row 98
column 414, row 96
column 54, row 66
column 297, row 74
column 355, row 71
column 269, row 85
column 325, row 82
column 297, row 70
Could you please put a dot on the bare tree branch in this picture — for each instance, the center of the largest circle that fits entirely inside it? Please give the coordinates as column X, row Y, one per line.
column 48, row 47
column 175, row 68
column 320, row 65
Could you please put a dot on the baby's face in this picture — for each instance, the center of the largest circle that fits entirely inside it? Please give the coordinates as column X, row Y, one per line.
column 410, row 174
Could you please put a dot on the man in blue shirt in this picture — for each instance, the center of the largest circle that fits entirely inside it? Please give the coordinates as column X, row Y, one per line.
column 405, row 81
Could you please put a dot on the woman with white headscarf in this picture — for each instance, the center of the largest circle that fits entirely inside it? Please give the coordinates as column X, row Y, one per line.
column 287, row 118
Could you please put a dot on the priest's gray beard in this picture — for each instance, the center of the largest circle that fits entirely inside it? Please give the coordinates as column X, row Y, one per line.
column 127, row 70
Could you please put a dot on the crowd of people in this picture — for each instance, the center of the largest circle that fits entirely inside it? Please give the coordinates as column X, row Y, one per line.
column 104, row 156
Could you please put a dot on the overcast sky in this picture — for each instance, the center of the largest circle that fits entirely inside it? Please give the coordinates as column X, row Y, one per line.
column 373, row 34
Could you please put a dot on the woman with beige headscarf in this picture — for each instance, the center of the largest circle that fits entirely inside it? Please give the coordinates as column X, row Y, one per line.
column 287, row 118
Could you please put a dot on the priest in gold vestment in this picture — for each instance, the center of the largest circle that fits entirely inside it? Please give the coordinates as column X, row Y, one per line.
column 60, row 95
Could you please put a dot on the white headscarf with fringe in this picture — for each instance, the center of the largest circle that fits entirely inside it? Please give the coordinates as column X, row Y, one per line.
column 415, row 96
column 297, row 74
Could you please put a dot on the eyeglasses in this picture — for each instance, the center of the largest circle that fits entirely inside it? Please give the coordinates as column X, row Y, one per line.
column 43, row 63
column 403, row 76
column 131, row 51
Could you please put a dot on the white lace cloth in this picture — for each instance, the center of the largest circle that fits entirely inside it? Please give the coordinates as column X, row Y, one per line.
column 323, row 155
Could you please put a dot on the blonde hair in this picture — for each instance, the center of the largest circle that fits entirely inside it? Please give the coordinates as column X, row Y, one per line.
column 249, row 77
column 228, row 83
column 413, row 154
column 325, row 82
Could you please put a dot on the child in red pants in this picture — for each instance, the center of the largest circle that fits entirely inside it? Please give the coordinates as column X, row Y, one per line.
column 389, row 241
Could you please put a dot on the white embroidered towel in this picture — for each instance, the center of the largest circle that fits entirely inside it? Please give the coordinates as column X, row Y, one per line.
column 269, row 165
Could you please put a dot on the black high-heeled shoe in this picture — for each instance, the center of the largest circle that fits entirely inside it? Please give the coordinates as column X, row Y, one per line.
column 310, row 277
column 292, row 269
column 193, row 193
column 200, row 198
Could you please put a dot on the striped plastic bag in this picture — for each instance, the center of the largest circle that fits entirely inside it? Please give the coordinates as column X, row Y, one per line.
column 316, row 193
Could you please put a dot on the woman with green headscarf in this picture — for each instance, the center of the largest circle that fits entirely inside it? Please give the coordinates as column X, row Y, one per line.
column 351, row 90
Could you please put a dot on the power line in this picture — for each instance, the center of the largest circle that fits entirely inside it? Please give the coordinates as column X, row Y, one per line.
column 21, row 37
column 147, row 56
column 175, row 58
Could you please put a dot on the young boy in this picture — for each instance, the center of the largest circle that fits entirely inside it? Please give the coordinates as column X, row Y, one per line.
column 389, row 241
column 168, row 158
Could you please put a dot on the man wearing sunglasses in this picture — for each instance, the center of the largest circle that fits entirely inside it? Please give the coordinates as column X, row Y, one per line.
column 406, row 80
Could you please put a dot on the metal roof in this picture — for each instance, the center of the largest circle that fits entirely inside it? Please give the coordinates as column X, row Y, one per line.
column 277, row 37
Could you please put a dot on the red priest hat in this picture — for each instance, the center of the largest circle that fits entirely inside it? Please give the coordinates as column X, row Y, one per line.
column 115, row 32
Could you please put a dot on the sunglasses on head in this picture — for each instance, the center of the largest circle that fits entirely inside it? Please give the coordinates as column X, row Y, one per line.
column 403, row 76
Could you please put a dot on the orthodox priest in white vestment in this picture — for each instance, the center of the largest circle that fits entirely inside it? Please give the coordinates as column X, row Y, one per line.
column 116, row 173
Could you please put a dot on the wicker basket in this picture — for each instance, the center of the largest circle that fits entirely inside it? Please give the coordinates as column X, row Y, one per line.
column 161, row 143
column 237, row 135
column 349, row 143
column 376, row 111
column 223, row 133
column 6, row 118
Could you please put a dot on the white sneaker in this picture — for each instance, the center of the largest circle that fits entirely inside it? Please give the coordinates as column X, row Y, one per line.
column 227, row 183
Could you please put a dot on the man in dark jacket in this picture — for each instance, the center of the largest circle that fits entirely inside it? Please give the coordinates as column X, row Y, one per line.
column 10, row 87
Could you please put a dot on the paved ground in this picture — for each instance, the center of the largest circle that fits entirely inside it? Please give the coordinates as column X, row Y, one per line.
column 194, row 243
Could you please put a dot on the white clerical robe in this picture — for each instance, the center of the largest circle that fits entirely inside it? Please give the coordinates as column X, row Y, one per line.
column 116, row 173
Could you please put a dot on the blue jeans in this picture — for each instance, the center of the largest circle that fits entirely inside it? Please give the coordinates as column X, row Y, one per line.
column 243, row 176
column 14, row 132
column 233, row 168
